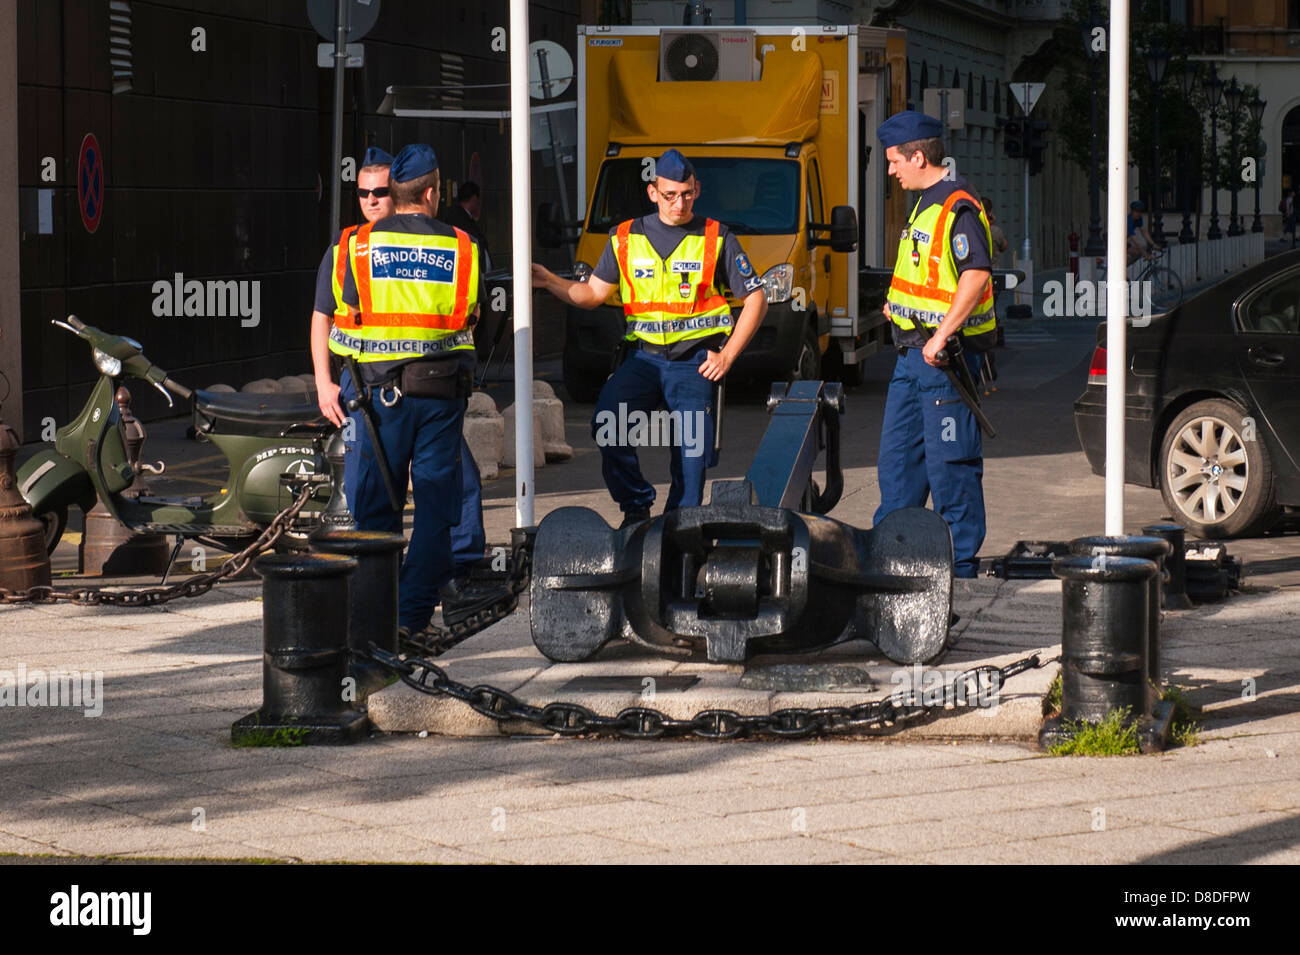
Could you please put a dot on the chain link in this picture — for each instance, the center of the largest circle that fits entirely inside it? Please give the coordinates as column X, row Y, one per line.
column 642, row 722
column 194, row 586
column 434, row 641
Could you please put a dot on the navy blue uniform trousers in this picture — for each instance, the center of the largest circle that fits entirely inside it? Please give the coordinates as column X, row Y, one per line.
column 645, row 383
column 930, row 447
column 422, row 437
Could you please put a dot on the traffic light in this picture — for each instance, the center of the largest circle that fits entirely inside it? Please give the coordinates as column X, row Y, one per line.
column 1013, row 137
column 1035, row 143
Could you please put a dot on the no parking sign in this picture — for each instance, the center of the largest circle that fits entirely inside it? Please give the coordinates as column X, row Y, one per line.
column 90, row 182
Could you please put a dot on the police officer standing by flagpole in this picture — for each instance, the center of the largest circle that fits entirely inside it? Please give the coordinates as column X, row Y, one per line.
column 669, row 267
column 468, row 539
column 411, row 291
column 930, row 444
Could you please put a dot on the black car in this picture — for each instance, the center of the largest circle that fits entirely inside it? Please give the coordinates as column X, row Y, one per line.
column 1213, row 402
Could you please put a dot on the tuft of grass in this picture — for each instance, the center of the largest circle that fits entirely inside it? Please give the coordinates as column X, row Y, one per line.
column 1116, row 735
column 284, row 736
column 1185, row 728
column 1052, row 700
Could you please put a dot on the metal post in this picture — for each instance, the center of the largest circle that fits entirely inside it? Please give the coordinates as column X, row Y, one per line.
column 1157, row 220
column 340, row 62
column 521, row 242
column 1214, row 232
column 1234, row 221
column 1117, row 265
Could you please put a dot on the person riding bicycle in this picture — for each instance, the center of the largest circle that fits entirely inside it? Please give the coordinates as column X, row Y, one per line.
column 1136, row 232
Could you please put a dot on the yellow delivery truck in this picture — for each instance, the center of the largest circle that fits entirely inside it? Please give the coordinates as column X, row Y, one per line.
column 776, row 122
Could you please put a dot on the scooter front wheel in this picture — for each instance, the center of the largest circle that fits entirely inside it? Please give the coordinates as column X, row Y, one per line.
column 55, row 522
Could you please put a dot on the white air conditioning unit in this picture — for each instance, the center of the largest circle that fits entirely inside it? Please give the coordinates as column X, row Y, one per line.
column 690, row 55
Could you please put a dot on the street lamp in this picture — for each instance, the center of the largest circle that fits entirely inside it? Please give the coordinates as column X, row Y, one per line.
column 1157, row 59
column 1094, row 246
column 1256, row 114
column 1232, row 98
column 1214, row 94
column 1186, row 79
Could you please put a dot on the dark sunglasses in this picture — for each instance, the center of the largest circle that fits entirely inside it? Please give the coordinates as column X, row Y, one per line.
column 380, row 193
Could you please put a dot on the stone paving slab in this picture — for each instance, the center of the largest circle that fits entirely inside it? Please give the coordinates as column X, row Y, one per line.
column 127, row 783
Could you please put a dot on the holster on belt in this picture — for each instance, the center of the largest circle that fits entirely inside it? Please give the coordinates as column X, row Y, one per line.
column 624, row 348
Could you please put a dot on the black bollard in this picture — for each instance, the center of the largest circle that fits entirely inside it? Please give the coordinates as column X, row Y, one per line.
column 372, row 588
column 1175, row 589
column 305, row 654
column 1103, row 646
column 1154, row 549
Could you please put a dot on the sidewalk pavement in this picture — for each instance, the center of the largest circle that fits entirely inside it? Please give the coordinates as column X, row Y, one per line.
column 156, row 775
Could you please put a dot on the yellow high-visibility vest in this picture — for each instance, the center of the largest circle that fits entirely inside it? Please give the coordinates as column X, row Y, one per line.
column 925, row 275
column 416, row 293
column 674, row 299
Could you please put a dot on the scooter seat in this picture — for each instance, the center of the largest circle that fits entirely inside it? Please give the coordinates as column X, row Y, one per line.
column 261, row 414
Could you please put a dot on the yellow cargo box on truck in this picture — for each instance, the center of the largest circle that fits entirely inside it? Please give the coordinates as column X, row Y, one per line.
column 769, row 117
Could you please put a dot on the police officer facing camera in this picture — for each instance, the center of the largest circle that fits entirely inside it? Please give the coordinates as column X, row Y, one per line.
column 930, row 444
column 412, row 293
column 468, row 540
column 669, row 267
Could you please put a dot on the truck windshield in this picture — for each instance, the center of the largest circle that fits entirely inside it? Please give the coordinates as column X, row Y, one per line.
column 752, row 196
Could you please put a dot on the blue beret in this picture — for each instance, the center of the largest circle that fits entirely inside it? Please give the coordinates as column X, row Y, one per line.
column 907, row 126
column 673, row 165
column 413, row 162
column 376, row 157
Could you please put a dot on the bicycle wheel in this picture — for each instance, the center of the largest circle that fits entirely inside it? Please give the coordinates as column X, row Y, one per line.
column 1166, row 289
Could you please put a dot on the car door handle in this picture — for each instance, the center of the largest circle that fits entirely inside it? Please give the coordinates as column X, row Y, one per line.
column 1264, row 356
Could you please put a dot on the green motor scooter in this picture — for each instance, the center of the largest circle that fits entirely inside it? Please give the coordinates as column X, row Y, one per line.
column 263, row 437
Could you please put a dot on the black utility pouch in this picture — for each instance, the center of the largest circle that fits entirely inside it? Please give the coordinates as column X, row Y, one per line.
column 447, row 379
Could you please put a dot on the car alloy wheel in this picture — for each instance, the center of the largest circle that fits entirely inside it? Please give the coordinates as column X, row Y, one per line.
column 1216, row 475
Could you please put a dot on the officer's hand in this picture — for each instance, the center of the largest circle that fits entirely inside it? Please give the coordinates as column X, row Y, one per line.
column 327, row 398
column 541, row 276
column 931, row 351
column 715, row 365
column 885, row 308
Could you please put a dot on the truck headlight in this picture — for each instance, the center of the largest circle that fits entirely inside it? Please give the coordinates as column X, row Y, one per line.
column 777, row 282
column 107, row 364
column 581, row 271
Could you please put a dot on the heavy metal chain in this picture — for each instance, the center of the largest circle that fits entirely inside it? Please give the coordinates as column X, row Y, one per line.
column 642, row 722
column 434, row 641
column 152, row 596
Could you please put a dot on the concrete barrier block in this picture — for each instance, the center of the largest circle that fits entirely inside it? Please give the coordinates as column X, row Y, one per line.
column 539, row 450
column 551, row 413
column 292, row 385
column 486, row 436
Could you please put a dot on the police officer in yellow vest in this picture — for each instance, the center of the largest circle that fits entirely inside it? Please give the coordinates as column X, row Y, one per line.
column 411, row 291
column 942, row 286
column 670, row 268
column 468, row 540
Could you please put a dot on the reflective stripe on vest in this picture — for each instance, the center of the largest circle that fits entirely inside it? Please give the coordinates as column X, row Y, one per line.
column 653, row 301
column 415, row 293
column 923, row 287
column 342, row 255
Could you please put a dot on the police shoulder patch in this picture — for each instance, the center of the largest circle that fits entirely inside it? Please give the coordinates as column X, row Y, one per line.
column 960, row 246
column 743, row 266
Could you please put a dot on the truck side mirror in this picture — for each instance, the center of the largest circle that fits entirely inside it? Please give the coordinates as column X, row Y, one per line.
column 844, row 229
column 548, row 231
